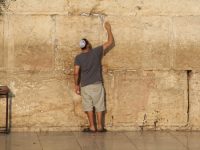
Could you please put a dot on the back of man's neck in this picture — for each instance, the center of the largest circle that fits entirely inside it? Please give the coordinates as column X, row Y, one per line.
column 85, row 50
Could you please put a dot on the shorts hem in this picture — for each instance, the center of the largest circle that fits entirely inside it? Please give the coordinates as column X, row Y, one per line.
column 87, row 110
column 101, row 110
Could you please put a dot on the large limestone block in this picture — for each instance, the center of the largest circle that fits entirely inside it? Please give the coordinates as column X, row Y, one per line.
column 32, row 39
column 186, row 42
column 114, row 8
column 76, row 7
column 1, row 43
column 194, row 95
column 135, row 7
column 69, row 31
column 118, row 7
column 155, row 44
column 138, row 43
column 43, row 101
column 37, row 6
column 134, row 100
column 126, row 53
column 183, row 8
column 146, row 99
column 131, row 7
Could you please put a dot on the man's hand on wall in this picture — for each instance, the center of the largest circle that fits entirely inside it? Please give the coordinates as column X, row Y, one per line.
column 107, row 26
column 110, row 40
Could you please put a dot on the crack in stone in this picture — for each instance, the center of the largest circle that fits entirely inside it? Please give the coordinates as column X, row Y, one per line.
column 93, row 14
column 100, row 15
column 189, row 73
column 54, row 38
column 143, row 122
column 155, row 124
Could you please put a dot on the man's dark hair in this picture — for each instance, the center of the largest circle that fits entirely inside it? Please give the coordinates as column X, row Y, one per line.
column 86, row 41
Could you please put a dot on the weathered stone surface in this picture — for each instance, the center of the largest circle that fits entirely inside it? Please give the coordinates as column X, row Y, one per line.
column 75, row 7
column 138, row 41
column 156, row 51
column 33, row 45
column 37, row 6
column 126, row 44
column 103, row 7
column 134, row 7
column 80, row 27
column 114, row 8
column 186, row 42
column 194, row 102
column 67, row 41
column 134, row 100
column 145, row 73
column 145, row 99
column 1, row 43
column 42, row 101
column 174, row 7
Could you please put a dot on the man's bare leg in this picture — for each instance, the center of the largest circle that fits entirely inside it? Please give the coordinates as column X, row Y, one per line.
column 90, row 115
column 99, row 120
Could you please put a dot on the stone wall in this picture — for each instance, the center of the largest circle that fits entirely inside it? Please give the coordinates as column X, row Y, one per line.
column 151, row 75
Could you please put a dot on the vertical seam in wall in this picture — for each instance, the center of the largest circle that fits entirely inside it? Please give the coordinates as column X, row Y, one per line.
column 5, row 36
column 188, row 95
column 172, row 37
column 54, row 41
column 3, row 46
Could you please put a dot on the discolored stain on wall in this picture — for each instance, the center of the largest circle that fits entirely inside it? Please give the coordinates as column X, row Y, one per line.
column 4, row 5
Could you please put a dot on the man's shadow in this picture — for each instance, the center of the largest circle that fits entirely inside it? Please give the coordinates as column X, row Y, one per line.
column 105, row 95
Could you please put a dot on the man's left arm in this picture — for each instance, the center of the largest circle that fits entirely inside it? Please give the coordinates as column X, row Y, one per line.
column 76, row 79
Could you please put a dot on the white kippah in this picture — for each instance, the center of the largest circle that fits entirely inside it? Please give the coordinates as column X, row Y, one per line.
column 82, row 43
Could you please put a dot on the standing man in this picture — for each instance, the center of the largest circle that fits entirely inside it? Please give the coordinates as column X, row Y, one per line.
column 88, row 79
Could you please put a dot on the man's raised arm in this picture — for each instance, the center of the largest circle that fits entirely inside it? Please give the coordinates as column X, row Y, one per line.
column 110, row 40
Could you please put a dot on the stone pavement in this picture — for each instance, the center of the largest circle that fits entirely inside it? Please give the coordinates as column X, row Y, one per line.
column 101, row 141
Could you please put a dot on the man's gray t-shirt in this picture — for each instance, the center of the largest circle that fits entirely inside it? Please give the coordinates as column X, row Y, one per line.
column 90, row 66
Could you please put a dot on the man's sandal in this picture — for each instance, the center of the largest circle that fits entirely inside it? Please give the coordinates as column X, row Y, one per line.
column 89, row 130
column 101, row 130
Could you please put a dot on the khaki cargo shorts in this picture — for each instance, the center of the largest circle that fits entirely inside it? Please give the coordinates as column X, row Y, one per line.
column 93, row 96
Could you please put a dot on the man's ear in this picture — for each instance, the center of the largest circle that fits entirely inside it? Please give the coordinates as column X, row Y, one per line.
column 88, row 46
